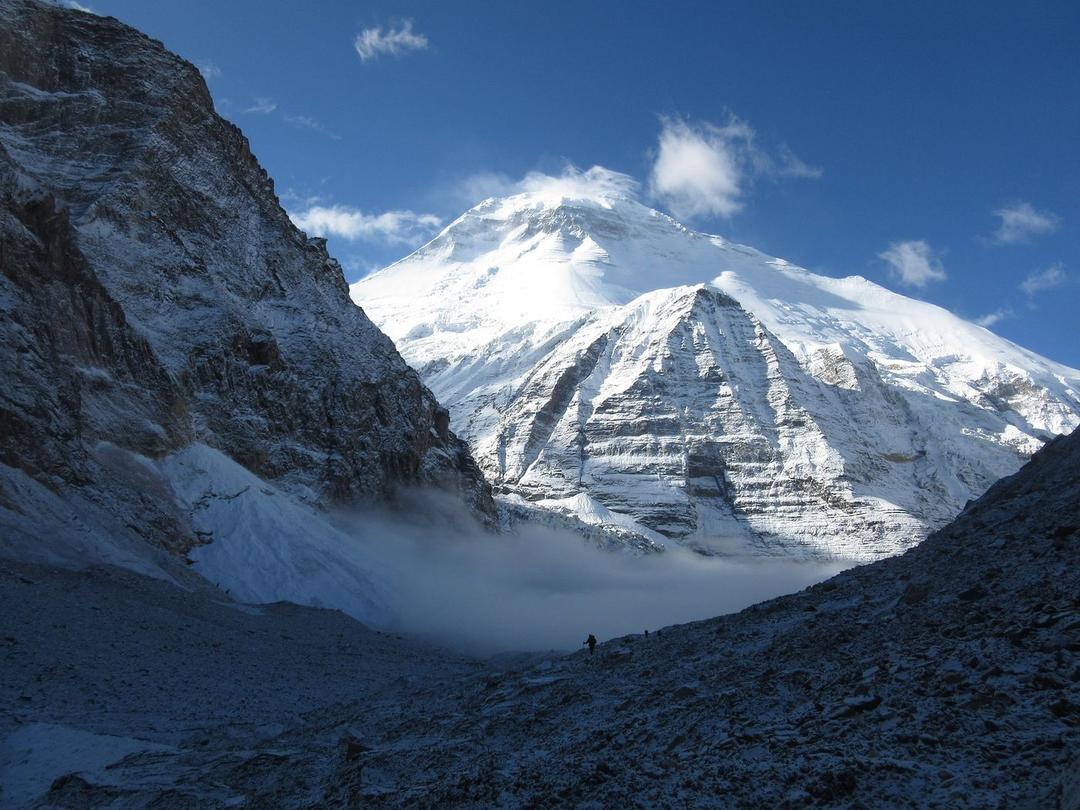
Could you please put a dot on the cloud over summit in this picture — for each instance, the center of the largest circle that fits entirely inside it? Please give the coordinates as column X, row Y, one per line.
column 705, row 169
column 913, row 262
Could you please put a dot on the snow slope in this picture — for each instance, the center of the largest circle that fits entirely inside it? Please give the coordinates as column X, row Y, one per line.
column 253, row 540
column 598, row 355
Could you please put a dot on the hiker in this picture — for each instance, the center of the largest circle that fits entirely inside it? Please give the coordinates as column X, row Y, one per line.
column 591, row 641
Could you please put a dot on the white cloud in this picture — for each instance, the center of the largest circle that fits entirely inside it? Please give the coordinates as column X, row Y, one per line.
column 1020, row 222
column 697, row 171
column 371, row 43
column 791, row 165
column 596, row 183
column 260, row 105
column 209, row 70
column 704, row 169
column 350, row 223
column 998, row 315
column 72, row 4
column 913, row 262
column 307, row 122
column 1046, row 279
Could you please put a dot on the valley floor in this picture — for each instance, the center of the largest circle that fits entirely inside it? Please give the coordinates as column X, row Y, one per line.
column 947, row 677
column 103, row 664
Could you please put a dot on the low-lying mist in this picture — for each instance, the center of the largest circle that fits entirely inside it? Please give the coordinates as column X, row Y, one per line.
column 537, row 588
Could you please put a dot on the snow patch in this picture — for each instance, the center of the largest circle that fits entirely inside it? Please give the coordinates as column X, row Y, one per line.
column 33, row 756
column 265, row 546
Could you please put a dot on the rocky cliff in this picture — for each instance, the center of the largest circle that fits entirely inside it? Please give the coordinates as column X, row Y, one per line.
column 155, row 296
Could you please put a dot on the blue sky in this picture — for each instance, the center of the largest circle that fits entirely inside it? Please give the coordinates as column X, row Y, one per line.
column 932, row 147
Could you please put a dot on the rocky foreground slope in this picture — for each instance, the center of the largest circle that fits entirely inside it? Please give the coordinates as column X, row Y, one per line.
column 946, row 677
column 165, row 330
column 608, row 364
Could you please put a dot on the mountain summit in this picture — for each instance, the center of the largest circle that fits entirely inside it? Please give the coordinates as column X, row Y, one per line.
column 610, row 365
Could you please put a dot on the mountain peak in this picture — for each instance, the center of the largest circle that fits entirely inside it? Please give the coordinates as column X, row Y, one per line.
column 594, row 350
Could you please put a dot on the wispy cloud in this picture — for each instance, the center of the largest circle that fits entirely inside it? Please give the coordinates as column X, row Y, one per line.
column 345, row 222
column 72, row 4
column 371, row 43
column 296, row 199
column 998, row 315
column 209, row 70
column 260, row 105
column 913, row 262
column 704, row 169
column 359, row 266
column 307, row 122
column 1021, row 222
column 1048, row 279
column 593, row 184
column 481, row 185
column 788, row 164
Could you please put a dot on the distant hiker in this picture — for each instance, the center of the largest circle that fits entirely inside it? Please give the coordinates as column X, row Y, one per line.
column 646, row 634
column 591, row 641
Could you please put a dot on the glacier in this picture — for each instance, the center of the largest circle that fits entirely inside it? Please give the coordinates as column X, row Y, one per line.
column 602, row 359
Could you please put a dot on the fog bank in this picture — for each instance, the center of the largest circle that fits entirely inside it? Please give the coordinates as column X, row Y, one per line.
column 536, row 588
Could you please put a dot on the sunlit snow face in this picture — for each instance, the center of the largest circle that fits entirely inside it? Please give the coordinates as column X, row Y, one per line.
column 540, row 317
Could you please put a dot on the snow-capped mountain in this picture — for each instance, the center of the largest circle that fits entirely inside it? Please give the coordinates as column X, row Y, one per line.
column 609, row 364
column 181, row 369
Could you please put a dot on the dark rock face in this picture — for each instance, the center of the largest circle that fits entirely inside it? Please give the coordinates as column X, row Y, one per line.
column 154, row 293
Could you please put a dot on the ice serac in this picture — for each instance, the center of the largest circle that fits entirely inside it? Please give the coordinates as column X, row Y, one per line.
column 605, row 361
column 155, row 296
